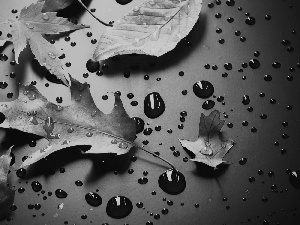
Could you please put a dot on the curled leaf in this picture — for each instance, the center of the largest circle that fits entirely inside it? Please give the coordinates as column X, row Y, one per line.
column 153, row 28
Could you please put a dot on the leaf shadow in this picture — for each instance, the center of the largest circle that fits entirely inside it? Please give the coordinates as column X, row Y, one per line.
column 74, row 11
column 107, row 163
column 147, row 64
column 53, row 162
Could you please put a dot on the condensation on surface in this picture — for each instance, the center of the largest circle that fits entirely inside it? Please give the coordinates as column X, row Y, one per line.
column 242, row 56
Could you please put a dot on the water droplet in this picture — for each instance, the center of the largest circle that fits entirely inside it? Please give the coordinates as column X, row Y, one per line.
column 51, row 55
column 89, row 134
column 36, row 186
column 172, row 182
column 294, row 178
column 119, row 207
column 78, row 183
column 92, row 66
column 70, row 130
column 254, row 63
column 243, row 161
column 21, row 173
column 139, row 124
column 139, row 205
column 93, row 199
column 230, row 2
column 228, row 66
column 45, row 16
column 276, row 65
column 246, row 100
column 61, row 193
column 250, row 20
column 29, row 25
column 123, row 2
column 208, row 104
column 154, row 105
column 123, row 145
column 33, row 120
column 203, row 89
column 3, row 85
column 143, row 180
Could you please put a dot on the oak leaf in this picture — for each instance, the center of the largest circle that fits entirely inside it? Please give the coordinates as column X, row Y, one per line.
column 209, row 148
column 6, row 194
column 153, row 28
column 30, row 26
column 80, row 123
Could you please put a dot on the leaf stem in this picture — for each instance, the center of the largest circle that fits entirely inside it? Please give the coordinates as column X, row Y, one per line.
column 166, row 161
column 106, row 24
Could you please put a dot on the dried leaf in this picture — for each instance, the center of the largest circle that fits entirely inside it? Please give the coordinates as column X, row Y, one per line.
column 80, row 123
column 209, row 148
column 55, row 5
column 29, row 27
column 153, row 28
column 6, row 194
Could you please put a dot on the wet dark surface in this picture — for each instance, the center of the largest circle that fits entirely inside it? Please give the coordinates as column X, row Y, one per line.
column 241, row 58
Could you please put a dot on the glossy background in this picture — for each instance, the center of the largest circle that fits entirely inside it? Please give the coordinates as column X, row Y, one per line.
column 204, row 187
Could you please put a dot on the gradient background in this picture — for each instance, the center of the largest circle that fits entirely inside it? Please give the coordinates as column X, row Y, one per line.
column 204, row 186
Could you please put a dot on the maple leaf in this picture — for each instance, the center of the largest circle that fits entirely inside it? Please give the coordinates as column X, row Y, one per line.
column 6, row 194
column 209, row 148
column 55, row 5
column 29, row 27
column 153, row 28
column 80, row 123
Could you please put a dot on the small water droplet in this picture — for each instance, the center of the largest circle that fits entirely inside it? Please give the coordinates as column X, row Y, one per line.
column 250, row 20
column 29, row 25
column 143, row 180
column 246, row 100
column 3, row 85
column 89, row 134
column 123, row 145
column 51, row 55
column 3, row 57
column 61, row 193
column 119, row 207
column 45, row 16
column 243, row 161
column 36, row 186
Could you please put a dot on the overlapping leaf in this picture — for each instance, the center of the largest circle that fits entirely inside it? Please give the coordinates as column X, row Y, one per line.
column 6, row 194
column 153, row 28
column 209, row 148
column 29, row 27
column 55, row 5
column 80, row 123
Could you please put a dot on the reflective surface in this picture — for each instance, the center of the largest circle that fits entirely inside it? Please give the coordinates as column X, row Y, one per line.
column 247, row 50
